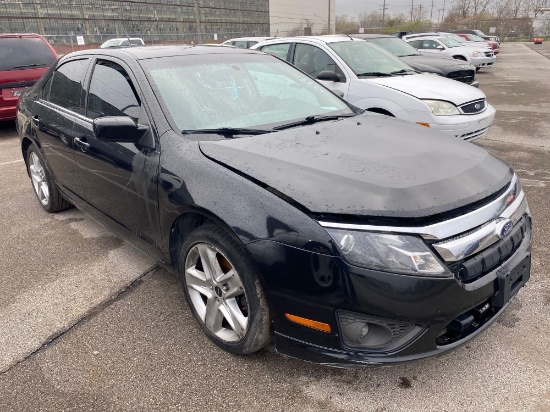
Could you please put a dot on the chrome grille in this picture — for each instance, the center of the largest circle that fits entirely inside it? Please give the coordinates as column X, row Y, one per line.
column 464, row 76
column 489, row 54
column 474, row 107
column 474, row 135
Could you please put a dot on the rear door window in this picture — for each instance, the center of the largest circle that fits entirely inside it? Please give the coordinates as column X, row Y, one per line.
column 66, row 89
column 25, row 52
column 279, row 50
column 241, row 44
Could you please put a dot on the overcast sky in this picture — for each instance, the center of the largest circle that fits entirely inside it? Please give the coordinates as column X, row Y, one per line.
column 355, row 7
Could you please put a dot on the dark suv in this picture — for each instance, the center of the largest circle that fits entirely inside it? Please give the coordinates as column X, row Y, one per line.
column 23, row 60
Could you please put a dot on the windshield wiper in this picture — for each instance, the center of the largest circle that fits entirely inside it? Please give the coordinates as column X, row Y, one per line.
column 228, row 131
column 374, row 74
column 313, row 119
column 24, row 66
column 404, row 71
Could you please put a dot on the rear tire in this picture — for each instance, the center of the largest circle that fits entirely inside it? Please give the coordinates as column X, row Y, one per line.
column 222, row 289
column 44, row 186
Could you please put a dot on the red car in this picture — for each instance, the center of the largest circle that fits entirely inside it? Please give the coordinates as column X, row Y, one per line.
column 24, row 58
column 472, row 37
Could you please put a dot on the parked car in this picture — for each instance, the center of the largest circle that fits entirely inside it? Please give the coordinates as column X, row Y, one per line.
column 373, row 79
column 444, row 66
column 463, row 42
column 476, row 39
column 23, row 59
column 351, row 238
column 477, row 33
column 123, row 42
column 443, row 45
column 246, row 42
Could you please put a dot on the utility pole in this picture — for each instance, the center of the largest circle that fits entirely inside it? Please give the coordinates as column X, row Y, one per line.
column 384, row 8
column 412, row 8
column 432, row 11
column 420, row 12
column 443, row 13
column 198, row 19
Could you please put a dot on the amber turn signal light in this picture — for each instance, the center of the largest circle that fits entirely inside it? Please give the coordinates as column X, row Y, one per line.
column 423, row 124
column 324, row 327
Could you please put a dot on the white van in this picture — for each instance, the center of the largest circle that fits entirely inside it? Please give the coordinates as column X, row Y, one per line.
column 373, row 79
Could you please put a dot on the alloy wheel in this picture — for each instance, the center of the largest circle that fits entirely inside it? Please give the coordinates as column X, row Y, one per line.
column 39, row 180
column 216, row 293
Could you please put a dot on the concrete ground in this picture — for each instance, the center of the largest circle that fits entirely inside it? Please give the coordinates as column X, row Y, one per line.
column 87, row 323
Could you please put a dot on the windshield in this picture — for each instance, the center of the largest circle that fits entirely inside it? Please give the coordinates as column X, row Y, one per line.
column 238, row 91
column 473, row 37
column 24, row 52
column 110, row 43
column 450, row 42
column 396, row 46
column 457, row 38
column 365, row 57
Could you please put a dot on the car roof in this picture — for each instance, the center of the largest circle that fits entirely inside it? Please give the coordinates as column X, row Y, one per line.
column 125, row 38
column 252, row 38
column 372, row 36
column 153, row 52
column 329, row 38
column 11, row 35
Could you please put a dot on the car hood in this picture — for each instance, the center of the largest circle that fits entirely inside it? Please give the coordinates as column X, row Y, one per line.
column 437, row 62
column 431, row 87
column 369, row 165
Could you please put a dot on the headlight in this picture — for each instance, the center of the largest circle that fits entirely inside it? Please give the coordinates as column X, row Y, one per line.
column 389, row 253
column 441, row 108
column 478, row 54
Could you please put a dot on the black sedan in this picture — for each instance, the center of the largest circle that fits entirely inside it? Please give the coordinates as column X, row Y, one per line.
column 349, row 238
column 445, row 66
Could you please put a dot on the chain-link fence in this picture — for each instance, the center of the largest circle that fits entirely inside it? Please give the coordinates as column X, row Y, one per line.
column 66, row 43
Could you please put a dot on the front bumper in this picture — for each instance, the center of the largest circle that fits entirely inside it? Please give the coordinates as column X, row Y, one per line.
column 483, row 61
column 317, row 287
column 464, row 126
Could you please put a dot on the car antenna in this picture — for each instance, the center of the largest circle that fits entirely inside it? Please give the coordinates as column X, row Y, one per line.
column 128, row 37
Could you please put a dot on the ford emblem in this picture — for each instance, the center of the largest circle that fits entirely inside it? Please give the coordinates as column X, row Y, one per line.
column 504, row 228
column 477, row 106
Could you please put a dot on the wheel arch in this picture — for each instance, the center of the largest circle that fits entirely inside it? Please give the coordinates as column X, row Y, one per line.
column 185, row 224
column 380, row 110
column 25, row 144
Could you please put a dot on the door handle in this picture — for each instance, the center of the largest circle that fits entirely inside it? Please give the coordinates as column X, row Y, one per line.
column 82, row 143
column 35, row 120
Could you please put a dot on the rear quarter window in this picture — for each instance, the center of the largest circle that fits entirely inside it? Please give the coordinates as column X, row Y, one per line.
column 21, row 53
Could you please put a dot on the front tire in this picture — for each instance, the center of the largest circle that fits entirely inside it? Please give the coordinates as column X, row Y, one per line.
column 43, row 184
column 222, row 288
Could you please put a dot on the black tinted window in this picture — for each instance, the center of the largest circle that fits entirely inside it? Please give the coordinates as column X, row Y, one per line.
column 19, row 53
column 112, row 92
column 66, row 86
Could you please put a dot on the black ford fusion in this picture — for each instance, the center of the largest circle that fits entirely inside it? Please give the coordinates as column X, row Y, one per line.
column 349, row 238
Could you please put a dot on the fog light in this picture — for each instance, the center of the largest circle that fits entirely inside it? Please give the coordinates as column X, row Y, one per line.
column 365, row 332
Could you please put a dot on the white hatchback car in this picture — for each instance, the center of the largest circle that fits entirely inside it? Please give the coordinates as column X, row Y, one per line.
column 123, row 42
column 245, row 42
column 373, row 79
column 445, row 45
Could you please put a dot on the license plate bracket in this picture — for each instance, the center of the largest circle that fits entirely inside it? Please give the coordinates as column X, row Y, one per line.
column 510, row 282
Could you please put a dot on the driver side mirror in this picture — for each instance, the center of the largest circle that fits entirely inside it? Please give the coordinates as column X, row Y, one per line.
column 329, row 76
column 440, row 48
column 118, row 129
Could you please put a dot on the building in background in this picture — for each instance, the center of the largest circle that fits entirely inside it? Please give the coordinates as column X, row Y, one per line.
column 291, row 17
column 95, row 21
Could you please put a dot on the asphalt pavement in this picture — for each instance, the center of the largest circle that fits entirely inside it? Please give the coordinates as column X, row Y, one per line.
column 88, row 323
